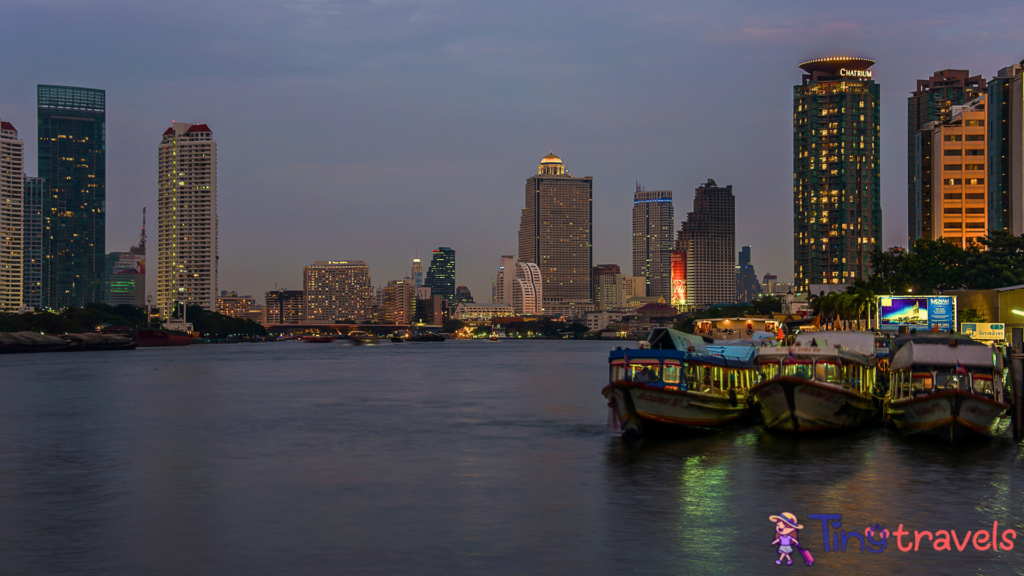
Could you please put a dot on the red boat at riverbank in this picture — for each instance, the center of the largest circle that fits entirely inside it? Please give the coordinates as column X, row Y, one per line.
column 168, row 334
column 318, row 339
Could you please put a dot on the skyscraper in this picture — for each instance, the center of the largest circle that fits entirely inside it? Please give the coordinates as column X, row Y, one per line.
column 747, row 286
column 12, row 184
column 1005, row 150
column 653, row 229
column 556, row 229
column 441, row 274
column 187, row 218
column 32, row 243
column 837, row 211
column 72, row 159
column 933, row 101
column 708, row 238
column 520, row 285
column 336, row 291
column 417, row 272
column 125, row 278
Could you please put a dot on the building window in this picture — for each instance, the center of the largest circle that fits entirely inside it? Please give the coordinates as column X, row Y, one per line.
column 951, row 225
column 952, row 153
column 951, row 167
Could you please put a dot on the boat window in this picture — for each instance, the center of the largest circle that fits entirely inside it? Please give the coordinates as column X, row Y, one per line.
column 950, row 380
column 671, row 372
column 644, row 371
column 617, row 371
column 767, row 369
column 920, row 382
column 830, row 371
column 797, row 368
column 982, row 384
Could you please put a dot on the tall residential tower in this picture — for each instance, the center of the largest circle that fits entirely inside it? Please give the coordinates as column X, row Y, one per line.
column 837, row 211
column 72, row 151
column 708, row 241
column 555, row 231
column 653, row 229
column 12, row 184
column 187, row 218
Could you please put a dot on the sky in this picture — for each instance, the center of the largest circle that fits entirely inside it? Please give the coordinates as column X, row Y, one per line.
column 377, row 130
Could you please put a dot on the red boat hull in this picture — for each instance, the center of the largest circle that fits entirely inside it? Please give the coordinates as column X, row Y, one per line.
column 144, row 338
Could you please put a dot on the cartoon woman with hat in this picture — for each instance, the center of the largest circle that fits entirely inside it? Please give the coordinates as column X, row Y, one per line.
column 786, row 534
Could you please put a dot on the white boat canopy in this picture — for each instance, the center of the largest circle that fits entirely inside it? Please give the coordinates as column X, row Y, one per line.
column 942, row 355
column 863, row 342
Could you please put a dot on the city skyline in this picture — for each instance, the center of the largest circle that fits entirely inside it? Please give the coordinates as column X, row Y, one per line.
column 352, row 185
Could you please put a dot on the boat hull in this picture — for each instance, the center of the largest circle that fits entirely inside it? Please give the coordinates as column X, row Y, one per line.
column 636, row 408
column 797, row 405
column 149, row 338
column 946, row 415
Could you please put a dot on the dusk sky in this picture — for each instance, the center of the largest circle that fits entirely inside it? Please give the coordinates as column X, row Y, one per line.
column 376, row 130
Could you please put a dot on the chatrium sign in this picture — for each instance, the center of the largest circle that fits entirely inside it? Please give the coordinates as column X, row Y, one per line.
column 855, row 73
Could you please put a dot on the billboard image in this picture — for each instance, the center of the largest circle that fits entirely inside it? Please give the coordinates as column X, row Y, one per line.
column 917, row 312
column 130, row 264
column 679, row 280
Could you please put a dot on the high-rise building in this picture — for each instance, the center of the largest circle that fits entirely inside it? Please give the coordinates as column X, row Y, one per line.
column 520, row 285
column 399, row 301
column 463, row 295
column 233, row 305
column 932, row 101
column 747, row 286
column 285, row 307
column 335, row 291
column 837, row 211
column 556, row 229
column 125, row 273
column 71, row 128
column 708, row 237
column 505, row 280
column 952, row 159
column 12, row 184
column 417, row 272
column 1005, row 150
column 441, row 274
column 608, row 283
column 653, row 229
column 32, row 243
column 187, row 218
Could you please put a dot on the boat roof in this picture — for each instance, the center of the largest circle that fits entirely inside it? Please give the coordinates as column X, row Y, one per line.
column 669, row 339
column 727, row 356
column 862, row 342
column 942, row 355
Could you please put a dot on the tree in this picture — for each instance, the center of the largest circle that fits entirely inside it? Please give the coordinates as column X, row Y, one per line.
column 969, row 315
column 452, row 326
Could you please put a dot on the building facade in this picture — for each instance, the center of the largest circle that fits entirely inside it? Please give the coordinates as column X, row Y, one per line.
column 932, row 101
column 608, row 283
column 187, row 218
column 951, row 160
column 12, row 185
column 284, row 307
column 441, row 274
column 32, row 243
column 747, row 286
column 417, row 271
column 653, row 231
column 708, row 239
column 71, row 153
column 837, row 211
column 336, row 291
column 1006, row 150
column 482, row 312
column 555, row 232
column 399, row 301
column 125, row 273
column 233, row 305
column 520, row 285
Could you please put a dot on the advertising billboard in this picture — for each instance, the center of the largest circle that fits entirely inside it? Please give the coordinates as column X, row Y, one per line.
column 679, row 280
column 917, row 312
column 984, row 331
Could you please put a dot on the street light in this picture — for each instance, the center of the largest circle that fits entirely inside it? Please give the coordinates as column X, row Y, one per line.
column 1017, row 312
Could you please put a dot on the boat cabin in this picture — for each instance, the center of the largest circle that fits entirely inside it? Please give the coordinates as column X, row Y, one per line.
column 923, row 368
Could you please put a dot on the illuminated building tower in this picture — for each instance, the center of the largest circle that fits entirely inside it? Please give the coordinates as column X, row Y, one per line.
column 71, row 128
column 32, row 243
column 708, row 238
column 747, row 286
column 336, row 291
column 12, row 184
column 417, row 272
column 441, row 274
column 187, row 218
column 653, row 228
column 505, row 280
column 285, row 307
column 837, row 211
column 399, row 301
column 1005, row 150
column 933, row 101
column 126, row 273
column 555, row 231
column 608, row 284
column 952, row 171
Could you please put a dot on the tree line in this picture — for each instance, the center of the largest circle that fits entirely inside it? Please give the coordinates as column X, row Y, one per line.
column 86, row 319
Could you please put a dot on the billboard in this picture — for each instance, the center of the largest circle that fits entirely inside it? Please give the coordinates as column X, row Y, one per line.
column 984, row 331
column 917, row 312
column 128, row 263
column 679, row 280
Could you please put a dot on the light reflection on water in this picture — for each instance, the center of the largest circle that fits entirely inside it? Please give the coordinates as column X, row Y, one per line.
column 446, row 458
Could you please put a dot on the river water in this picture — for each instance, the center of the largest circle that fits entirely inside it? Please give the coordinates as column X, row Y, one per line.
column 441, row 458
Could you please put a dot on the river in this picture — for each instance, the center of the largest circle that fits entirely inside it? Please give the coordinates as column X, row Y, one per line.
column 441, row 458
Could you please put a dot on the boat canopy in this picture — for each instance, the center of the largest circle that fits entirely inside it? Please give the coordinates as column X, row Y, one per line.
column 862, row 342
column 669, row 339
column 915, row 353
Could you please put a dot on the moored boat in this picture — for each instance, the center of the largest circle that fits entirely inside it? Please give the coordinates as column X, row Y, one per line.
column 950, row 391
column 171, row 333
column 362, row 337
column 823, row 383
column 317, row 339
column 678, row 382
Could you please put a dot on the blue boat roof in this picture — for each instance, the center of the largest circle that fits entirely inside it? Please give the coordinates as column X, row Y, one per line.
column 727, row 356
